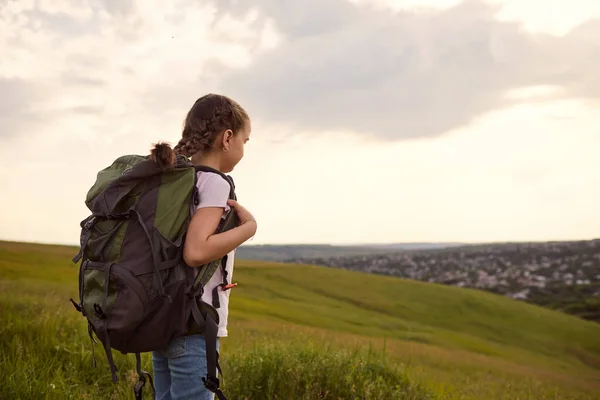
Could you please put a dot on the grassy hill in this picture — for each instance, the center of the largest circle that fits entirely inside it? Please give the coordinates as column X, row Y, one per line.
column 310, row 329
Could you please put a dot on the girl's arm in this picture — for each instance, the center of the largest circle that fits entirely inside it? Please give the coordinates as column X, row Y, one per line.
column 202, row 245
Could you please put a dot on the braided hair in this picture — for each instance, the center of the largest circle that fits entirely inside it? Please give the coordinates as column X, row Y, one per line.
column 210, row 115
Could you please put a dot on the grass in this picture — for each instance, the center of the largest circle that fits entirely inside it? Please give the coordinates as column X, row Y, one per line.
column 307, row 332
column 306, row 370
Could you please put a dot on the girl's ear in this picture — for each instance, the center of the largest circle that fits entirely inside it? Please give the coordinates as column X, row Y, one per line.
column 227, row 137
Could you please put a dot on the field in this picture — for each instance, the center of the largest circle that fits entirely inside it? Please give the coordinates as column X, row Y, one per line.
column 306, row 332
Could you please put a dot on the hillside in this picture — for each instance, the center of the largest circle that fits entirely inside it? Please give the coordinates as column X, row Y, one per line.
column 461, row 343
column 559, row 275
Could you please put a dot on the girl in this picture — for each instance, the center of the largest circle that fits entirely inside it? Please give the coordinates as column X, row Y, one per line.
column 215, row 131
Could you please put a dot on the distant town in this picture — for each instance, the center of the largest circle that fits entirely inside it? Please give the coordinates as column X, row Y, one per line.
column 560, row 275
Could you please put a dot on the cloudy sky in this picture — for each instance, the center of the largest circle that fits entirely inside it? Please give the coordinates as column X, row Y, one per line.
column 373, row 120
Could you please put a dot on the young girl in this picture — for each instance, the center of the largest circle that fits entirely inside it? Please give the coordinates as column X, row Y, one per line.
column 215, row 131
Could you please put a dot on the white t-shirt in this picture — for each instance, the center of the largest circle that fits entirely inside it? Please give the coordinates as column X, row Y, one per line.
column 213, row 191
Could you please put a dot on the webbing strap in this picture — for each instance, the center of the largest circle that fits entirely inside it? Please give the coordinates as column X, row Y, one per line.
column 215, row 294
column 211, row 382
column 90, row 332
column 86, row 225
column 106, row 287
column 108, row 351
column 197, row 315
column 157, row 279
column 143, row 375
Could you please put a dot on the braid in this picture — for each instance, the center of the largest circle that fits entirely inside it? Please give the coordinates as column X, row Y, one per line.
column 194, row 143
column 209, row 116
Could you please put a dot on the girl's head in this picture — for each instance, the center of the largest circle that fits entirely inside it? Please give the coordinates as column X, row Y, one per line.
column 214, row 132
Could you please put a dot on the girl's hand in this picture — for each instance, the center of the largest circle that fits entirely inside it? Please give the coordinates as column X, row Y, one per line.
column 242, row 212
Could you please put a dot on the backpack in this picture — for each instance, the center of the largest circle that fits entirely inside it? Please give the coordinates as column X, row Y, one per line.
column 135, row 290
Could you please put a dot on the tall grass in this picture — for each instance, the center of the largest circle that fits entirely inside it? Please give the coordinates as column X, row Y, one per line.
column 45, row 354
column 302, row 370
column 300, row 332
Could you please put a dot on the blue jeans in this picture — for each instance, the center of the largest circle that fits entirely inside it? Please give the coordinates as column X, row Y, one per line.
column 178, row 370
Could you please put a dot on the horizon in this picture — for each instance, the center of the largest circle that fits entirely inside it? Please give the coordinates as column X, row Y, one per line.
column 368, row 245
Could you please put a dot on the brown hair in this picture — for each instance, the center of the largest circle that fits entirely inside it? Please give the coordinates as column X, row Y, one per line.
column 210, row 115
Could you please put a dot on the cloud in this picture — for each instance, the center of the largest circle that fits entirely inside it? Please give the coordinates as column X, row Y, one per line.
column 406, row 74
column 317, row 65
column 113, row 71
column 18, row 108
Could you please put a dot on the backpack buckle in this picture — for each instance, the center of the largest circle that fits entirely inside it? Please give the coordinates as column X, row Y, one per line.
column 195, row 293
column 137, row 390
column 88, row 223
column 211, row 383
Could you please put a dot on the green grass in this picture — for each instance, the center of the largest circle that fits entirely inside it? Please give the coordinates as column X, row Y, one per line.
column 306, row 332
column 306, row 370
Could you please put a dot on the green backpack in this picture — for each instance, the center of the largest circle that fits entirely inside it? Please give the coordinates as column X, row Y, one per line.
column 135, row 290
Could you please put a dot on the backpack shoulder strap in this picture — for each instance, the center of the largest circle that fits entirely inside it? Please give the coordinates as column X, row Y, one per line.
column 207, row 321
column 230, row 221
column 228, row 178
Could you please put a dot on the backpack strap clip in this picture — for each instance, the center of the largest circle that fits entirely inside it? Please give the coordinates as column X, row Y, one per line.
column 143, row 376
column 211, row 382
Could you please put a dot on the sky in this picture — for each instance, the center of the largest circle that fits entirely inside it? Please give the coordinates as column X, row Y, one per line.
column 373, row 121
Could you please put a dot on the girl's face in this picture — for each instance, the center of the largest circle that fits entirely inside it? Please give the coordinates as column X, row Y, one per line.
column 233, row 147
